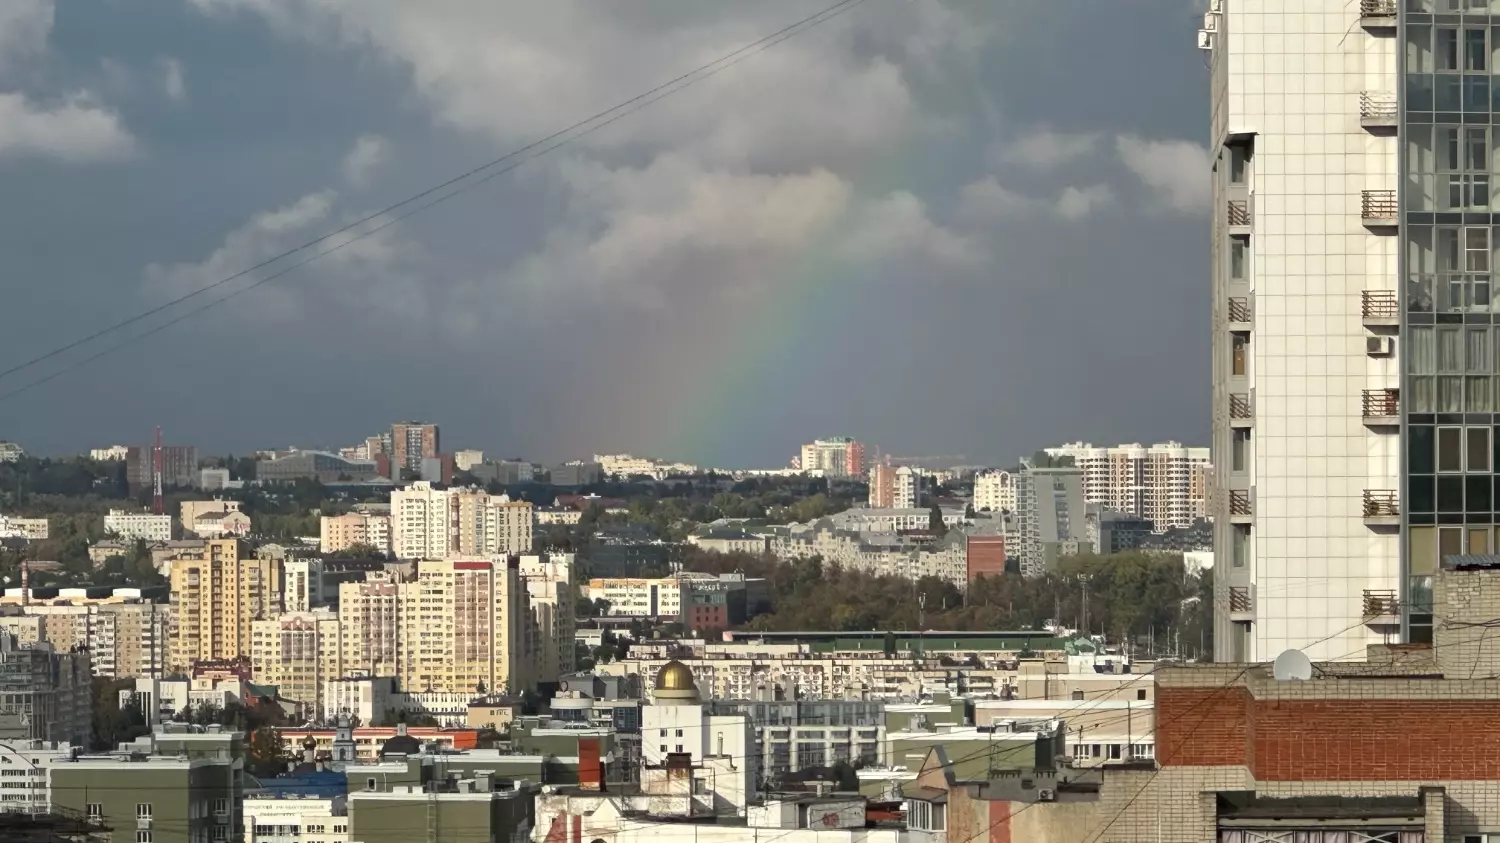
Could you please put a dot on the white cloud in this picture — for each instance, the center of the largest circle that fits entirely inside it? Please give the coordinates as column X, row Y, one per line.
column 367, row 156
column 75, row 130
column 1045, row 149
column 172, row 82
column 1177, row 171
column 987, row 201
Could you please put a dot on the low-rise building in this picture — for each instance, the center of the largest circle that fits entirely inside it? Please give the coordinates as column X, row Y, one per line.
column 365, row 529
column 315, row 465
column 11, row 452
column 289, row 817
column 28, row 529
column 129, row 526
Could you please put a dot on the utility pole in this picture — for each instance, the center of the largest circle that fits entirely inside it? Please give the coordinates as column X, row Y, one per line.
column 1083, row 580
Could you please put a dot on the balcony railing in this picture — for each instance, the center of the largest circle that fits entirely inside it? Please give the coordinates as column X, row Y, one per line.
column 1380, row 304
column 1382, row 402
column 1377, row 8
column 1377, row 106
column 1239, row 406
column 1380, row 603
column 1239, row 212
column 1239, row 310
column 1239, row 599
column 1239, row 502
column 1378, row 204
column 1381, row 503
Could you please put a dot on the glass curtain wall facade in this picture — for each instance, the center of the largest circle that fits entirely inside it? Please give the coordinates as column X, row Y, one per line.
column 1450, row 139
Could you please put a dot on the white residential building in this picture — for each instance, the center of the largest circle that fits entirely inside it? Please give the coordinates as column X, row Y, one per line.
column 994, row 491
column 465, row 460
column 1309, row 297
column 278, row 819
column 429, row 523
column 113, row 452
column 549, row 593
column 30, row 529
column 1166, row 483
column 906, row 488
column 11, row 452
column 626, row 465
column 24, row 773
column 138, row 525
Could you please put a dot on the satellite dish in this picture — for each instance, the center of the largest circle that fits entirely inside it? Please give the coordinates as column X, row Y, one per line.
column 1292, row 665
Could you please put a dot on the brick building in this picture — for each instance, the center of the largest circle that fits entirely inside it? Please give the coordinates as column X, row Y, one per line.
column 1403, row 747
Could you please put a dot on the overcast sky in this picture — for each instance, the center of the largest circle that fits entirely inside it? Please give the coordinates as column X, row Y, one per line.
column 938, row 226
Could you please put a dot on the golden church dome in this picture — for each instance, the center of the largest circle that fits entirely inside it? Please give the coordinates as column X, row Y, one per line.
column 675, row 676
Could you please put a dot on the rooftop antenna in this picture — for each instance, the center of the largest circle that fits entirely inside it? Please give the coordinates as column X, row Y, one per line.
column 156, row 469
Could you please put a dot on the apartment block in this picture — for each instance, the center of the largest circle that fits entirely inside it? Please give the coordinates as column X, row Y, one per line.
column 464, row 626
column 179, row 466
column 48, row 689
column 839, row 456
column 431, row 523
column 1312, row 290
column 217, row 593
column 370, row 626
column 122, row 639
column 298, row 652
column 1166, row 483
column 1051, row 514
column 412, row 442
column 30, row 529
column 548, row 580
column 994, row 491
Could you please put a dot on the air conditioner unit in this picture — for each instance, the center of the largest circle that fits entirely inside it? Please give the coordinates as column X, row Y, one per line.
column 1380, row 346
column 1216, row 6
column 1210, row 22
column 1205, row 40
column 1046, row 795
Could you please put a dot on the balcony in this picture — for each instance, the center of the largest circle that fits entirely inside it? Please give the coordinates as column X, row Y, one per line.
column 1382, row 509
column 1377, row 110
column 1239, row 314
column 1382, row 407
column 1381, row 608
column 1239, row 214
column 1241, row 413
column 1380, row 309
column 1378, row 208
column 1239, row 506
column 1377, row 14
column 1242, row 603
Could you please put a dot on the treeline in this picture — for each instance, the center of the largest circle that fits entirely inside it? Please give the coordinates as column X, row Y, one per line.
column 1133, row 596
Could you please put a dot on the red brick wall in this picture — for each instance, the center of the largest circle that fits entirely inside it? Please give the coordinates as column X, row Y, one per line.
column 1325, row 740
column 986, row 556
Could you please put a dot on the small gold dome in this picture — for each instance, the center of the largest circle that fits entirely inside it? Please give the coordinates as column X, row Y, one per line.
column 675, row 676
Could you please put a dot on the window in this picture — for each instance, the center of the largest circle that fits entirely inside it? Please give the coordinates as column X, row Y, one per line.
column 679, row 747
column 1239, row 253
column 1475, row 53
column 370, row 785
column 1114, row 752
column 1240, row 351
column 1447, row 48
column 1478, row 448
column 1077, row 695
column 143, row 811
column 1239, row 157
column 94, row 810
column 221, row 833
column 221, row 806
column 143, row 837
column 1239, row 545
column 1240, row 440
column 1450, row 449
column 679, row 733
column 1140, row 693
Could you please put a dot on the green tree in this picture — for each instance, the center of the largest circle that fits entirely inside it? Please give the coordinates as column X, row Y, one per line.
column 266, row 754
column 935, row 520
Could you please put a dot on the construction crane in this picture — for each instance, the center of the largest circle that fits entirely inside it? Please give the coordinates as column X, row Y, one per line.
column 156, row 470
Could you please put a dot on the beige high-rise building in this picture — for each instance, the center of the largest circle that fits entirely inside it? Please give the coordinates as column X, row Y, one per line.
column 340, row 532
column 123, row 639
column 464, row 628
column 370, row 624
column 429, row 523
column 217, row 593
column 548, row 580
column 297, row 652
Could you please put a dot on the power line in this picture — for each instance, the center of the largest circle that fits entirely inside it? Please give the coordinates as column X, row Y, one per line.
column 460, row 184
